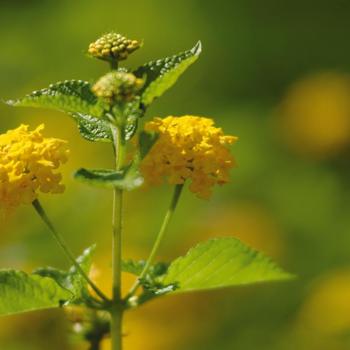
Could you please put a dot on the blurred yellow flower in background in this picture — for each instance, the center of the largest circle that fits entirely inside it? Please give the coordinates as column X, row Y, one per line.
column 188, row 147
column 248, row 221
column 330, row 297
column 27, row 164
column 323, row 321
column 315, row 115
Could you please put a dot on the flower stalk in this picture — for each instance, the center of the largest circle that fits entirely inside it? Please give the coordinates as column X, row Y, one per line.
column 173, row 204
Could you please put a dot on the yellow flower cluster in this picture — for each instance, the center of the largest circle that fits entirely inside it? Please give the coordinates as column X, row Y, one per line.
column 188, row 147
column 27, row 164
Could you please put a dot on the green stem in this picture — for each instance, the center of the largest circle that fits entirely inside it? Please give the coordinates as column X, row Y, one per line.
column 40, row 210
column 114, row 64
column 150, row 260
column 95, row 344
column 117, row 225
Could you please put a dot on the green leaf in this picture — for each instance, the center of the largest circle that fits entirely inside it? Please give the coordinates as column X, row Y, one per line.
column 73, row 96
column 146, row 141
column 60, row 276
column 129, row 112
column 78, row 282
column 93, row 129
column 162, row 74
column 20, row 292
column 136, row 267
column 72, row 280
column 133, row 267
column 126, row 179
column 151, row 283
column 221, row 262
column 130, row 127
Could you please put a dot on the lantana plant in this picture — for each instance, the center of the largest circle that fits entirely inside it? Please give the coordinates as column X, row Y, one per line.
column 180, row 151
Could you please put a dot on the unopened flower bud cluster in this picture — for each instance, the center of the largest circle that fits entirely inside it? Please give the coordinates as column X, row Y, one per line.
column 113, row 46
column 117, row 86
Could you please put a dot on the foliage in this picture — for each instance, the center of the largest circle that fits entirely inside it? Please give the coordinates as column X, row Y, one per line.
column 110, row 111
column 162, row 74
column 72, row 280
column 69, row 96
column 221, row 262
column 20, row 292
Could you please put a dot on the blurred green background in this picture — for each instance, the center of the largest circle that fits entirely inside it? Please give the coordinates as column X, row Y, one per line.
column 274, row 73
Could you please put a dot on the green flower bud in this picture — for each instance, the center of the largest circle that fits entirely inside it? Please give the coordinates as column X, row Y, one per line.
column 113, row 47
column 117, row 86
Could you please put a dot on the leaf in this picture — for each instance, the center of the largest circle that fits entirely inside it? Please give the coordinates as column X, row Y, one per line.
column 20, row 292
column 162, row 74
column 136, row 267
column 60, row 276
column 72, row 280
column 133, row 267
column 73, row 96
column 146, row 141
column 151, row 284
column 93, row 129
column 127, row 179
column 130, row 127
column 130, row 112
column 221, row 262
column 78, row 282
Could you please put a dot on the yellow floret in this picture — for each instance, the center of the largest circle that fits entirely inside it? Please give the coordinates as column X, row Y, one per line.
column 188, row 147
column 27, row 165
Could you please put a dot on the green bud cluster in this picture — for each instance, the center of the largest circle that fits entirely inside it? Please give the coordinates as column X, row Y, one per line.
column 117, row 86
column 113, row 47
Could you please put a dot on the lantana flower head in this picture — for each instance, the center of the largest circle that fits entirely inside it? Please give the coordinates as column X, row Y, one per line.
column 188, row 148
column 27, row 165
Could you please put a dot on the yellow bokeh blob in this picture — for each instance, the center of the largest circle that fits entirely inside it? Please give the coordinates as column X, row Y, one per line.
column 315, row 115
column 248, row 221
column 327, row 308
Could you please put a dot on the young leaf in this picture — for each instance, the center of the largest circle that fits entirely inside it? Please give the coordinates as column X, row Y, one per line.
column 72, row 280
column 93, row 129
column 60, row 276
column 221, row 262
column 136, row 267
column 73, row 96
column 127, row 179
column 20, row 292
column 130, row 127
column 146, row 141
column 78, row 282
column 162, row 74
column 133, row 267
column 152, row 285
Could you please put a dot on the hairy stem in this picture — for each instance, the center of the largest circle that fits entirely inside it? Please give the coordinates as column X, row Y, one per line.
column 117, row 215
column 59, row 239
column 161, row 233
